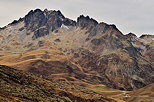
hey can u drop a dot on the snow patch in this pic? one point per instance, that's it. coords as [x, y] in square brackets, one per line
[64, 26]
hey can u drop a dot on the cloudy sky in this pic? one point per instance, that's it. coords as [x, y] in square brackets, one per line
[136, 16]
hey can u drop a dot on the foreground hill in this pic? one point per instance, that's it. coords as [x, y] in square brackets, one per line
[49, 44]
[19, 86]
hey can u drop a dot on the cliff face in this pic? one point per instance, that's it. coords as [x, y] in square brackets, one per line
[94, 52]
[43, 22]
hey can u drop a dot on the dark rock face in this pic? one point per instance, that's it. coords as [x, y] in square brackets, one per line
[16, 21]
[40, 32]
[99, 29]
[131, 36]
[94, 28]
[86, 22]
[42, 22]
[35, 19]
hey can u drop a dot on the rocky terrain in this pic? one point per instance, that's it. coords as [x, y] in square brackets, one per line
[86, 51]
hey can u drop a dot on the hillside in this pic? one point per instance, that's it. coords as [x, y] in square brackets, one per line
[19, 86]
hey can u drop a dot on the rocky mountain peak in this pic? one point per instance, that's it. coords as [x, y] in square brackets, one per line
[131, 35]
[35, 19]
[146, 36]
[16, 21]
[42, 22]
[86, 22]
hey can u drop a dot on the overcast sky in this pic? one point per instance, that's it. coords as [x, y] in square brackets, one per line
[136, 16]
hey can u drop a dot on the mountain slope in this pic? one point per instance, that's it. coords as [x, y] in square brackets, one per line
[97, 53]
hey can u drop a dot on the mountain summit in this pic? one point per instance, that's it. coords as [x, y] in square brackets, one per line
[49, 44]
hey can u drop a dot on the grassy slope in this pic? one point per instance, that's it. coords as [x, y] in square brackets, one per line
[76, 87]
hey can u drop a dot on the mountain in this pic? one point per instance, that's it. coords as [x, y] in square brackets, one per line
[56, 47]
